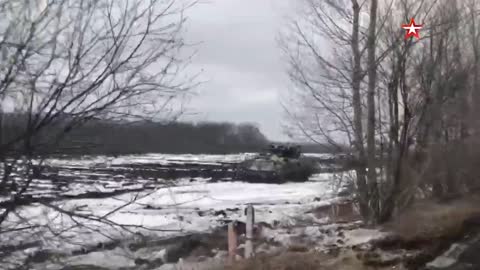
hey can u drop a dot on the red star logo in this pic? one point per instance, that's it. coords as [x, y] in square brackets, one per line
[412, 29]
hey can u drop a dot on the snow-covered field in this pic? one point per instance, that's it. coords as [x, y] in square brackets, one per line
[166, 209]
[186, 207]
[161, 159]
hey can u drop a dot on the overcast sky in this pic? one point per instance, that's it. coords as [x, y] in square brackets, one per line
[241, 62]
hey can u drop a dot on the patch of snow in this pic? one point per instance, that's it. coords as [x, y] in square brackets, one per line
[321, 237]
[324, 177]
[208, 264]
[362, 236]
[319, 155]
[449, 257]
[230, 194]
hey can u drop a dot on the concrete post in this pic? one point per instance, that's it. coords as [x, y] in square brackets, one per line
[232, 242]
[249, 232]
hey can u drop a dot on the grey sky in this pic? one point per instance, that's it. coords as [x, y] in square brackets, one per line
[241, 62]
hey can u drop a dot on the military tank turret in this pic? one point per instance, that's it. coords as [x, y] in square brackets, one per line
[279, 164]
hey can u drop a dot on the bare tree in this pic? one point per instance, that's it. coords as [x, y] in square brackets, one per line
[333, 77]
[415, 92]
[371, 117]
[64, 63]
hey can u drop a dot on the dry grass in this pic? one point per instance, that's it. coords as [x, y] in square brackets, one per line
[429, 220]
[304, 261]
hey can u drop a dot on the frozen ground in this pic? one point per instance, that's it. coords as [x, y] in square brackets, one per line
[166, 209]
[70, 177]
[188, 206]
[90, 175]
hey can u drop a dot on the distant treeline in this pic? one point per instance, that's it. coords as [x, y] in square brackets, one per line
[176, 137]
[114, 138]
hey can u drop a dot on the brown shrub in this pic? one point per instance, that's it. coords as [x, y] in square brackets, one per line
[446, 170]
[303, 261]
[428, 220]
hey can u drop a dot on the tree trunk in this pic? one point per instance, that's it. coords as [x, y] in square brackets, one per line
[472, 96]
[357, 114]
[372, 80]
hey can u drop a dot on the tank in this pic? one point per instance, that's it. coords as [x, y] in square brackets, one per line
[278, 164]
